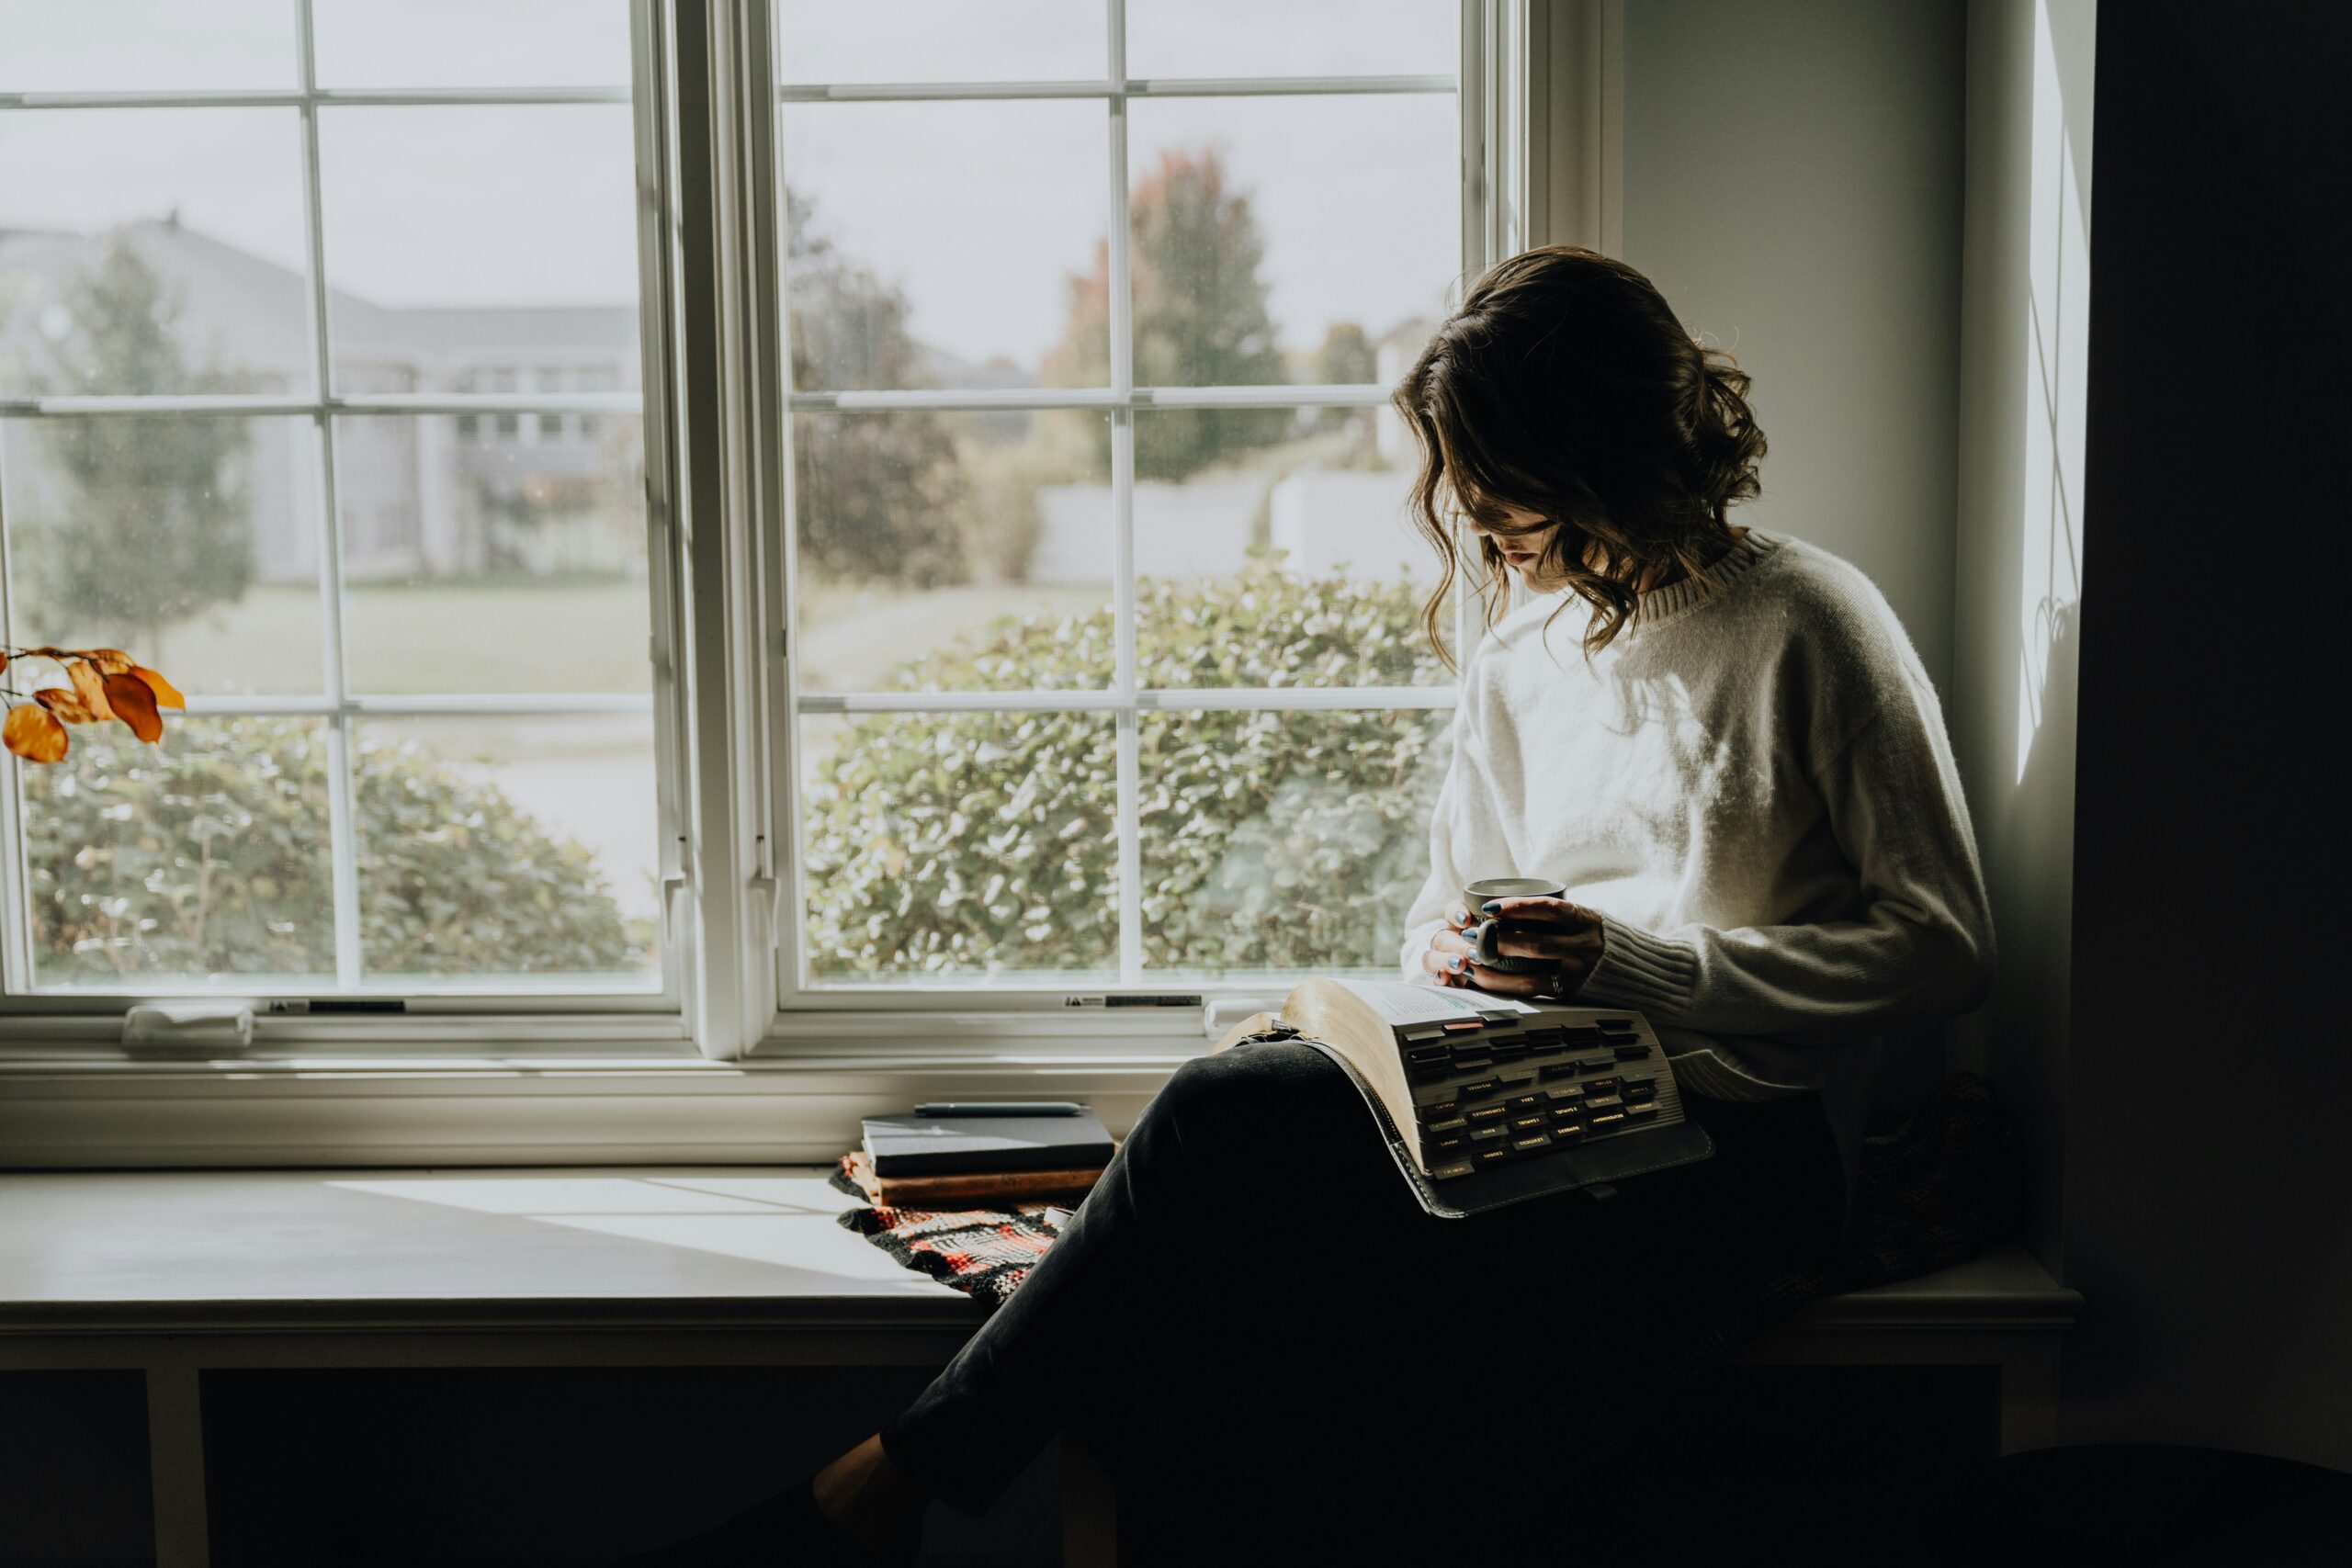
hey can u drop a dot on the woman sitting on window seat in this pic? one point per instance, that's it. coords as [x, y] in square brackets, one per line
[1720, 741]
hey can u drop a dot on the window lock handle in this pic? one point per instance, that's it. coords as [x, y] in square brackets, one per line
[203, 1025]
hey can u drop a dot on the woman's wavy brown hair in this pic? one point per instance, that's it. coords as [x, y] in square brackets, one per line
[1564, 385]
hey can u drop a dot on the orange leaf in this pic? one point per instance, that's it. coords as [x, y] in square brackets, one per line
[67, 705]
[167, 694]
[92, 687]
[33, 734]
[112, 661]
[134, 702]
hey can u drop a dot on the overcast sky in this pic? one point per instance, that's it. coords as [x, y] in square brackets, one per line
[978, 210]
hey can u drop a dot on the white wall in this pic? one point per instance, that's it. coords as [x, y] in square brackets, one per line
[1793, 185]
[2025, 322]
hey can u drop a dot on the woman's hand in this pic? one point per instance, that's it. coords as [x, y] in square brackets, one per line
[1567, 934]
[1448, 956]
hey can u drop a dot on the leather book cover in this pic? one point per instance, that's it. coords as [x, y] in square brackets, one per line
[912, 1145]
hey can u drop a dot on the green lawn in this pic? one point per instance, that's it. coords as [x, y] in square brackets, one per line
[406, 641]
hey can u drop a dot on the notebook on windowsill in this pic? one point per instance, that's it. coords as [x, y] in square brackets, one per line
[914, 1160]
[915, 1145]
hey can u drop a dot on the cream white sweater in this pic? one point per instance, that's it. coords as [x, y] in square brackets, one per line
[1754, 787]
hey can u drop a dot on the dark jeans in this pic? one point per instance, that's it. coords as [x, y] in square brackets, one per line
[1251, 1317]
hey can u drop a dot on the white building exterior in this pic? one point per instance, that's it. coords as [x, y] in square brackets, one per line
[422, 496]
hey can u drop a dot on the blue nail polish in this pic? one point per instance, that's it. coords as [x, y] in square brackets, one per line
[1491, 906]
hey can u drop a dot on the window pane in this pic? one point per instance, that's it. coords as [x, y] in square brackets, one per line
[954, 551]
[1289, 239]
[472, 43]
[508, 848]
[129, 46]
[940, 41]
[1330, 38]
[1277, 843]
[950, 244]
[192, 542]
[1273, 550]
[152, 251]
[478, 249]
[961, 847]
[481, 561]
[202, 858]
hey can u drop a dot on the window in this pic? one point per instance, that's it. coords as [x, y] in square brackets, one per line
[1106, 668]
[1049, 624]
[255, 257]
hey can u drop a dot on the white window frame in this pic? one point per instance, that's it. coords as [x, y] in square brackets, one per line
[741, 1076]
[559, 1009]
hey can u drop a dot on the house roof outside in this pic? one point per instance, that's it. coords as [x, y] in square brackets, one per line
[241, 309]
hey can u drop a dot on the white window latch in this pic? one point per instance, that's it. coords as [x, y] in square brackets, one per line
[196, 1024]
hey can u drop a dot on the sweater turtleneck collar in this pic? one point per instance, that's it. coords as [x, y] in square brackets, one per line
[1749, 551]
[1677, 599]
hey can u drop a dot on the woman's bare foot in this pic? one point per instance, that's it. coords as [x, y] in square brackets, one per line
[870, 1500]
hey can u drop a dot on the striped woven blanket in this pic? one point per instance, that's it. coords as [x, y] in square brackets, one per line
[983, 1252]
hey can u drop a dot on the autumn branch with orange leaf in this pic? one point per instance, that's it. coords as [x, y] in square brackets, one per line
[103, 683]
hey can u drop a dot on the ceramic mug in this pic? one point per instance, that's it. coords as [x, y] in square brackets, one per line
[1482, 937]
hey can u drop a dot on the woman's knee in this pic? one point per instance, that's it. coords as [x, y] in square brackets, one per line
[1270, 1115]
[1248, 1086]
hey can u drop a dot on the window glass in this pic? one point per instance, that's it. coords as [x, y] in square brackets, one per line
[417, 644]
[1330, 38]
[193, 539]
[1273, 549]
[954, 551]
[508, 850]
[961, 848]
[481, 562]
[940, 40]
[1277, 844]
[461, 241]
[152, 251]
[129, 45]
[878, 303]
[472, 43]
[1290, 238]
[201, 862]
[1162, 448]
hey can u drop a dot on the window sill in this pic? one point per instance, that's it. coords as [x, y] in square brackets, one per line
[108, 1111]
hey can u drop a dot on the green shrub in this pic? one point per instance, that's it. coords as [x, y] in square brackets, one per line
[958, 843]
[209, 853]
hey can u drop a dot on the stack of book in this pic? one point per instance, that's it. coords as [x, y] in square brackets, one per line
[976, 1154]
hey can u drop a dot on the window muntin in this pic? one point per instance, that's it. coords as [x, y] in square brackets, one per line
[1024, 805]
[468, 641]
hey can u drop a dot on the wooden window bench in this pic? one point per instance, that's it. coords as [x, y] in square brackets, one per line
[176, 1273]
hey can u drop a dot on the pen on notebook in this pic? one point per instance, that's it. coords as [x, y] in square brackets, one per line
[1000, 1108]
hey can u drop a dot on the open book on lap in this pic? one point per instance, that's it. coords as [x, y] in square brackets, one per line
[1486, 1100]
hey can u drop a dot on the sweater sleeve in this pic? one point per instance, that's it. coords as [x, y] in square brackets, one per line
[1922, 945]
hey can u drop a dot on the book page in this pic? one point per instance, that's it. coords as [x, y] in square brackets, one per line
[1402, 1002]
